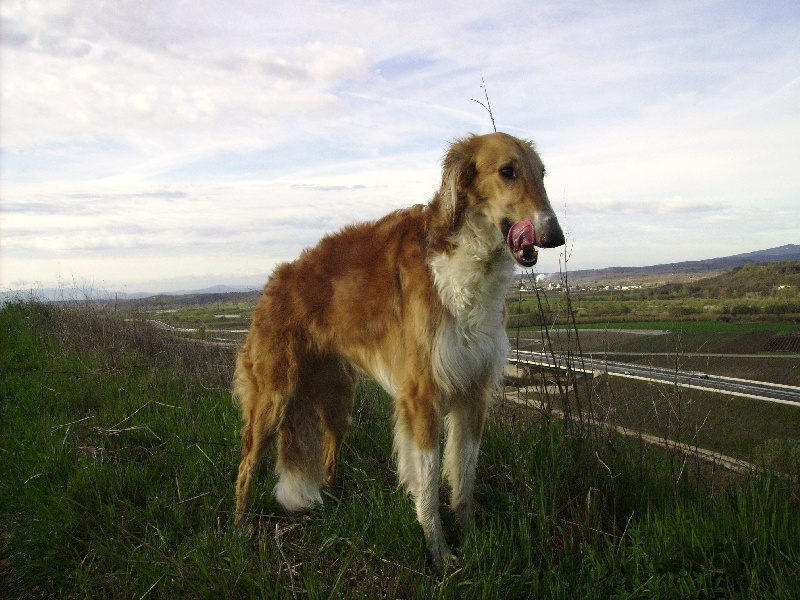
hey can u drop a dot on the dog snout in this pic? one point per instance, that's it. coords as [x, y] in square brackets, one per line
[548, 231]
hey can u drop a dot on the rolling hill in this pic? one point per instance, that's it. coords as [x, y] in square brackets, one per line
[681, 272]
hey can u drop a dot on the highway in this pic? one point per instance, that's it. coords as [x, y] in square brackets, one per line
[759, 390]
[592, 364]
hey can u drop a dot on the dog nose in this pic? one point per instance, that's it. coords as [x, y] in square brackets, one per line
[552, 239]
[548, 232]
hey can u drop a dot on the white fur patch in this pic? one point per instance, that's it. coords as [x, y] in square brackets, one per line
[297, 492]
[418, 471]
[407, 458]
[426, 500]
[472, 282]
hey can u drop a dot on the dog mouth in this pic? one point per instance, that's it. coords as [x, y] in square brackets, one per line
[521, 239]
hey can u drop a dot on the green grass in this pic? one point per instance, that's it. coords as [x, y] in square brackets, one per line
[118, 452]
[699, 326]
[684, 327]
[732, 425]
[663, 304]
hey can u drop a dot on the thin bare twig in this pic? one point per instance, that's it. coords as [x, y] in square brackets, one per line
[73, 422]
[488, 105]
[194, 497]
[143, 406]
[150, 589]
[285, 560]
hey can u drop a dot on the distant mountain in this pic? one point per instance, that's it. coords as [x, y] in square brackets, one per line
[198, 298]
[679, 272]
[214, 289]
[787, 252]
[749, 278]
[667, 273]
[682, 271]
[68, 295]
[78, 295]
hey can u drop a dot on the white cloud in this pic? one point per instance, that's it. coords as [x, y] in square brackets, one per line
[185, 135]
[680, 205]
[674, 205]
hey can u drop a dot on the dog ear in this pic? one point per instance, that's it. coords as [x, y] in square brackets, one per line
[458, 172]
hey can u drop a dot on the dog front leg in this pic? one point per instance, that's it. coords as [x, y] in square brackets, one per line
[426, 502]
[418, 471]
[463, 439]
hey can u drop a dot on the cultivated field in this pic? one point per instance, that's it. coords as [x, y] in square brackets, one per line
[119, 446]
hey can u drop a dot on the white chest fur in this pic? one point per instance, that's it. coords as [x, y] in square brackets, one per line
[472, 282]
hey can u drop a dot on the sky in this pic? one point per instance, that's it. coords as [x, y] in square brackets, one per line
[160, 146]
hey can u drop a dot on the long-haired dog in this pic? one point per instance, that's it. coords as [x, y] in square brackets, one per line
[415, 300]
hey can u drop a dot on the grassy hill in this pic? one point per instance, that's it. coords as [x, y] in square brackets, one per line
[772, 278]
[681, 272]
[119, 446]
[766, 292]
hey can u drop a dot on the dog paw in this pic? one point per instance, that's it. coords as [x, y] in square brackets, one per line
[442, 557]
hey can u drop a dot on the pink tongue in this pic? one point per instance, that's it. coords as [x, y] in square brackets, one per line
[521, 239]
[521, 235]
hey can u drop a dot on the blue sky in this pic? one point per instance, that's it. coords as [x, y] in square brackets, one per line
[154, 146]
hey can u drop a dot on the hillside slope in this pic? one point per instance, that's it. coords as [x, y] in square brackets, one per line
[681, 272]
[756, 278]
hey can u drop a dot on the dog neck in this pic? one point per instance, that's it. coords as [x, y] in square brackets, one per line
[472, 276]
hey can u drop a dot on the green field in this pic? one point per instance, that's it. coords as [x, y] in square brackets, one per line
[753, 293]
[700, 326]
[734, 426]
[119, 445]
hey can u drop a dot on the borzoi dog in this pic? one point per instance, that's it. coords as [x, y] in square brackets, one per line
[416, 301]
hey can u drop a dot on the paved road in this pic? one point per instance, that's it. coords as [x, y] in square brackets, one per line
[738, 387]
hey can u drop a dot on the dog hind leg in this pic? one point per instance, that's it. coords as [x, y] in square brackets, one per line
[262, 412]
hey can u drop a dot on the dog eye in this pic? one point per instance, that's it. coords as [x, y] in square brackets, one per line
[508, 172]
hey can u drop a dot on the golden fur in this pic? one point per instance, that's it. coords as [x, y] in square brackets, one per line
[415, 300]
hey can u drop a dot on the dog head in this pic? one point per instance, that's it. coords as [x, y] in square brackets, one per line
[498, 179]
